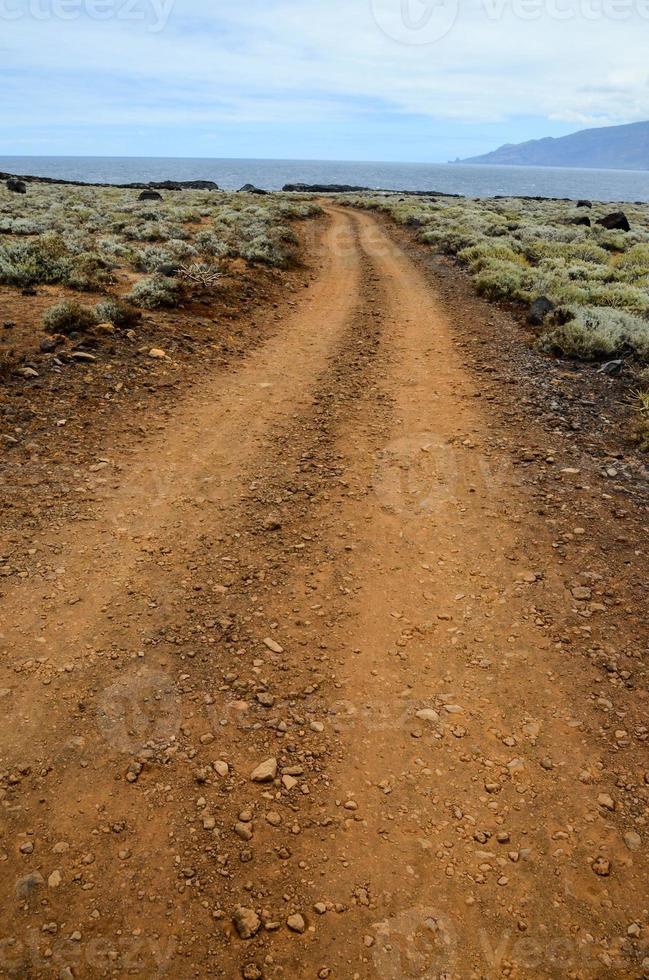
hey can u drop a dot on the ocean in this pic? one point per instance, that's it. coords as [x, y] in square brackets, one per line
[470, 180]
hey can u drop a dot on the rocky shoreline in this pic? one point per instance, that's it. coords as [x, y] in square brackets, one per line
[297, 188]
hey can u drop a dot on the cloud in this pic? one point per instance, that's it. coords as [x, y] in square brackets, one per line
[278, 60]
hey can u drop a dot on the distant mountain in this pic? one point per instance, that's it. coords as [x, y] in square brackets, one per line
[606, 148]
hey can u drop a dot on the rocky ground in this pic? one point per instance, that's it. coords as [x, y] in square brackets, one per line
[323, 649]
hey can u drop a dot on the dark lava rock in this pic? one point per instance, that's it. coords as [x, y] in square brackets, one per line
[539, 311]
[324, 188]
[16, 186]
[168, 269]
[251, 189]
[183, 185]
[617, 221]
[611, 368]
[150, 196]
[581, 221]
[584, 204]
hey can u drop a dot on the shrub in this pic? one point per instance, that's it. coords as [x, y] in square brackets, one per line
[598, 332]
[483, 254]
[30, 263]
[155, 292]
[117, 312]
[89, 271]
[503, 280]
[68, 316]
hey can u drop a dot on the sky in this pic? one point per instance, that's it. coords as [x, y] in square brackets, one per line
[393, 80]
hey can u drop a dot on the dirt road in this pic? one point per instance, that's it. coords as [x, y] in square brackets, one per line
[331, 562]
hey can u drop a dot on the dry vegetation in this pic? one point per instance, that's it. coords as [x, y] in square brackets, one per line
[139, 254]
[520, 250]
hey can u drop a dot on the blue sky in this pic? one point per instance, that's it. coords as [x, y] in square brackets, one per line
[407, 80]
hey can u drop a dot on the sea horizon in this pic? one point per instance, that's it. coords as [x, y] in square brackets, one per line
[270, 173]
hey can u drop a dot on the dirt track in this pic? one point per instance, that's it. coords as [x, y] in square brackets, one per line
[331, 558]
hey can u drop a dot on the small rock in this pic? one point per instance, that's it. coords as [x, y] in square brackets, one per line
[54, 879]
[220, 767]
[157, 354]
[581, 593]
[601, 867]
[606, 801]
[246, 922]
[275, 647]
[632, 840]
[296, 923]
[133, 772]
[427, 714]
[251, 972]
[265, 772]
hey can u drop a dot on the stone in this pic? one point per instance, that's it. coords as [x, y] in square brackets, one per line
[581, 593]
[157, 354]
[220, 767]
[601, 866]
[632, 840]
[538, 312]
[273, 646]
[611, 368]
[296, 923]
[427, 714]
[265, 772]
[251, 972]
[243, 830]
[617, 221]
[251, 189]
[606, 801]
[54, 879]
[150, 196]
[246, 922]
[16, 186]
